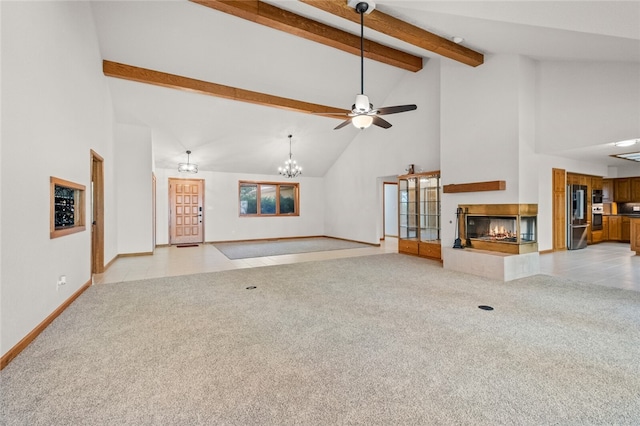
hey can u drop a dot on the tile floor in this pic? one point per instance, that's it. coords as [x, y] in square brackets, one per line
[608, 264]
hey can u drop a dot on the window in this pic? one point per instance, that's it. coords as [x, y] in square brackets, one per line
[268, 199]
[67, 207]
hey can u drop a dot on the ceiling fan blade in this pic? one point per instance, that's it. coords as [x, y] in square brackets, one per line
[381, 122]
[396, 109]
[334, 114]
[341, 125]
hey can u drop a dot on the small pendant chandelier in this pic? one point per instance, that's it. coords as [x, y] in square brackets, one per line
[188, 167]
[291, 168]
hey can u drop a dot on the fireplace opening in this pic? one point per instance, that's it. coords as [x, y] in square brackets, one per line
[507, 228]
[499, 228]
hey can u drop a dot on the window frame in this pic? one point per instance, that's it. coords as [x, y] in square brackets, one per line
[258, 184]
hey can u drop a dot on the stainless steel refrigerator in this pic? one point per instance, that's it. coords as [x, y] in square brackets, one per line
[577, 217]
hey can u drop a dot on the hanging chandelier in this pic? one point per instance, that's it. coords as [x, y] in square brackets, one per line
[188, 167]
[291, 168]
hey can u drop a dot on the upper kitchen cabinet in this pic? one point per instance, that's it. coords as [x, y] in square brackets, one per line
[607, 190]
[596, 183]
[635, 189]
[622, 190]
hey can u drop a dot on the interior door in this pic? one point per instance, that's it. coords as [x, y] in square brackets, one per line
[97, 213]
[559, 210]
[186, 201]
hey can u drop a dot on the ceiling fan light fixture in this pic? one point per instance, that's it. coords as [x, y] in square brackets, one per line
[362, 121]
[188, 167]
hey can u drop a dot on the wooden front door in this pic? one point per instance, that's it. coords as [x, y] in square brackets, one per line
[186, 201]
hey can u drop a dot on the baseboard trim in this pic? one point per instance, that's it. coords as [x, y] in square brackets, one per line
[108, 265]
[26, 340]
[143, 253]
[546, 251]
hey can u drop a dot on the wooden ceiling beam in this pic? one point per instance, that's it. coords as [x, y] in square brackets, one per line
[283, 20]
[401, 30]
[172, 81]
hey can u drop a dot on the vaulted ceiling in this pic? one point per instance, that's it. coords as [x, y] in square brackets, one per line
[217, 69]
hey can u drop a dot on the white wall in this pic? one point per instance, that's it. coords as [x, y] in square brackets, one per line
[480, 133]
[222, 221]
[134, 189]
[1, 137]
[527, 159]
[55, 108]
[631, 170]
[353, 192]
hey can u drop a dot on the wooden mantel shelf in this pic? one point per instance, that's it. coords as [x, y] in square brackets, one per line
[494, 185]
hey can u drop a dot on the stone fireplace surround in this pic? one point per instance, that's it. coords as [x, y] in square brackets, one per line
[511, 254]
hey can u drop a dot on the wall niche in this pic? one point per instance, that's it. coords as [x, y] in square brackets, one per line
[67, 207]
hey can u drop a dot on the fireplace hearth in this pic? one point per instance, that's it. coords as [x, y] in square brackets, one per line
[505, 228]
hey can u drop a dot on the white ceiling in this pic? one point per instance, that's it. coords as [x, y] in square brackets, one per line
[188, 39]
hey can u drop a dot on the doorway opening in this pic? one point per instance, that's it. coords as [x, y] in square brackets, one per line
[390, 209]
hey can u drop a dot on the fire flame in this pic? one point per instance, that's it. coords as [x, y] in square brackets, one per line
[500, 233]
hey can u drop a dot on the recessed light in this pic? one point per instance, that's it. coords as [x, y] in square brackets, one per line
[457, 40]
[628, 142]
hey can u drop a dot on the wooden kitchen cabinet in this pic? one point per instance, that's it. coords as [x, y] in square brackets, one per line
[625, 229]
[615, 228]
[607, 190]
[635, 190]
[635, 235]
[605, 228]
[622, 190]
[596, 183]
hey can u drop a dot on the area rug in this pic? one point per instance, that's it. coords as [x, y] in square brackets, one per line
[247, 249]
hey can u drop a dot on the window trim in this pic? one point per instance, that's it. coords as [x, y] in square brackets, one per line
[296, 195]
[79, 212]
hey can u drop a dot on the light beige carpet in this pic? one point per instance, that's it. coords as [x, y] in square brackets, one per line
[386, 339]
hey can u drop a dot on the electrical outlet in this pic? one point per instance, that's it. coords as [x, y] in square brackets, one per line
[62, 280]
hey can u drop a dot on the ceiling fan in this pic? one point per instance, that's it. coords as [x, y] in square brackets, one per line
[362, 113]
